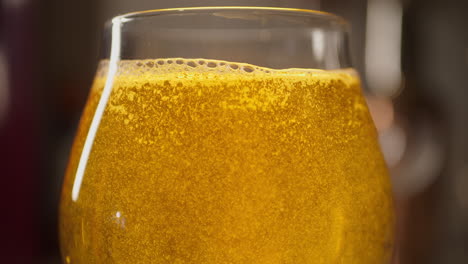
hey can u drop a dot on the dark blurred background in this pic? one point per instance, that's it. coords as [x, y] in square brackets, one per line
[412, 55]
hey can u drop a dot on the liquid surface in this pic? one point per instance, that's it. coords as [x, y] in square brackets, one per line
[198, 161]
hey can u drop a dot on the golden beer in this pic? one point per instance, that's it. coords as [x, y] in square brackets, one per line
[205, 161]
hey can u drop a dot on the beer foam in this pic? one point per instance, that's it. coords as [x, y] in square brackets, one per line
[255, 86]
[181, 65]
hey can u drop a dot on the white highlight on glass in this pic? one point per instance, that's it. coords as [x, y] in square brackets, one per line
[113, 66]
[318, 44]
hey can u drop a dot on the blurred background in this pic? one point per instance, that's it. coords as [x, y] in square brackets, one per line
[412, 56]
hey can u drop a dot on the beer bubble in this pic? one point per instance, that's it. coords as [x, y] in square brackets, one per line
[191, 64]
[211, 64]
[248, 69]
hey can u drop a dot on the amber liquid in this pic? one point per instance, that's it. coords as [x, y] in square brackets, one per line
[216, 162]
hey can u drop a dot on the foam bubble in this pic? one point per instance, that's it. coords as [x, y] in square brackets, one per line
[211, 64]
[191, 64]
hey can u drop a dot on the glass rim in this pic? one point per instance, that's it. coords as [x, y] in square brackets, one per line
[166, 11]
